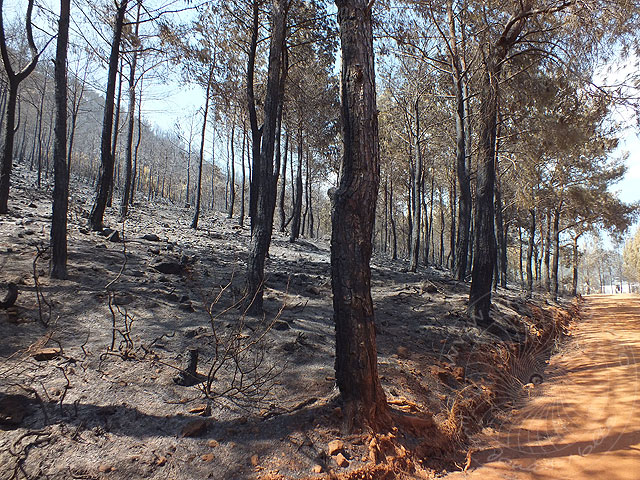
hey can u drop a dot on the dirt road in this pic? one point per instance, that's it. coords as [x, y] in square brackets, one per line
[583, 422]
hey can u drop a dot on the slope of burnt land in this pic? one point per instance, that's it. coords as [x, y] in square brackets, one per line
[89, 365]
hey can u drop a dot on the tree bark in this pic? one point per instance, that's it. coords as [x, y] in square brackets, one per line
[61, 174]
[556, 253]
[232, 179]
[485, 240]
[464, 208]
[196, 215]
[262, 220]
[353, 217]
[547, 254]
[414, 254]
[131, 122]
[254, 178]
[501, 233]
[532, 237]
[297, 204]
[283, 183]
[14, 80]
[244, 176]
[106, 155]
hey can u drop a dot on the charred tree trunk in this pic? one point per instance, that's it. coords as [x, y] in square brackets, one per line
[297, 204]
[232, 179]
[131, 121]
[283, 188]
[14, 80]
[262, 220]
[134, 178]
[196, 215]
[106, 156]
[353, 218]
[500, 231]
[416, 192]
[464, 207]
[547, 254]
[244, 177]
[485, 242]
[532, 238]
[485, 239]
[556, 254]
[61, 174]
[254, 178]
[394, 254]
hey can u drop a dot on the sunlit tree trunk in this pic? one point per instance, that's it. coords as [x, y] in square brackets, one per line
[106, 155]
[262, 221]
[354, 204]
[61, 174]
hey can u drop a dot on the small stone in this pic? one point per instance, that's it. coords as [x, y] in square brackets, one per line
[313, 290]
[105, 468]
[212, 443]
[342, 461]
[207, 457]
[335, 446]
[114, 237]
[152, 237]
[161, 461]
[194, 428]
[317, 469]
[168, 267]
[46, 354]
[254, 460]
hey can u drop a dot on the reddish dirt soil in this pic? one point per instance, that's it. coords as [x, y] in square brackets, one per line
[583, 421]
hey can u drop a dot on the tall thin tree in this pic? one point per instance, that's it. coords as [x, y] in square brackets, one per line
[14, 78]
[61, 173]
[105, 181]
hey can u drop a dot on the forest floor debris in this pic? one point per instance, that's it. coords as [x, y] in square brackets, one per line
[87, 364]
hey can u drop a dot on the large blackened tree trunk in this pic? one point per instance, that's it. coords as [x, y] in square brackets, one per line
[61, 173]
[14, 80]
[354, 204]
[106, 155]
[485, 241]
[484, 255]
[262, 220]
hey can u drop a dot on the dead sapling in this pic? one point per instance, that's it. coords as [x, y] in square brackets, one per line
[238, 371]
[121, 322]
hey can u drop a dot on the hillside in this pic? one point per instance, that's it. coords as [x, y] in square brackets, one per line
[88, 365]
